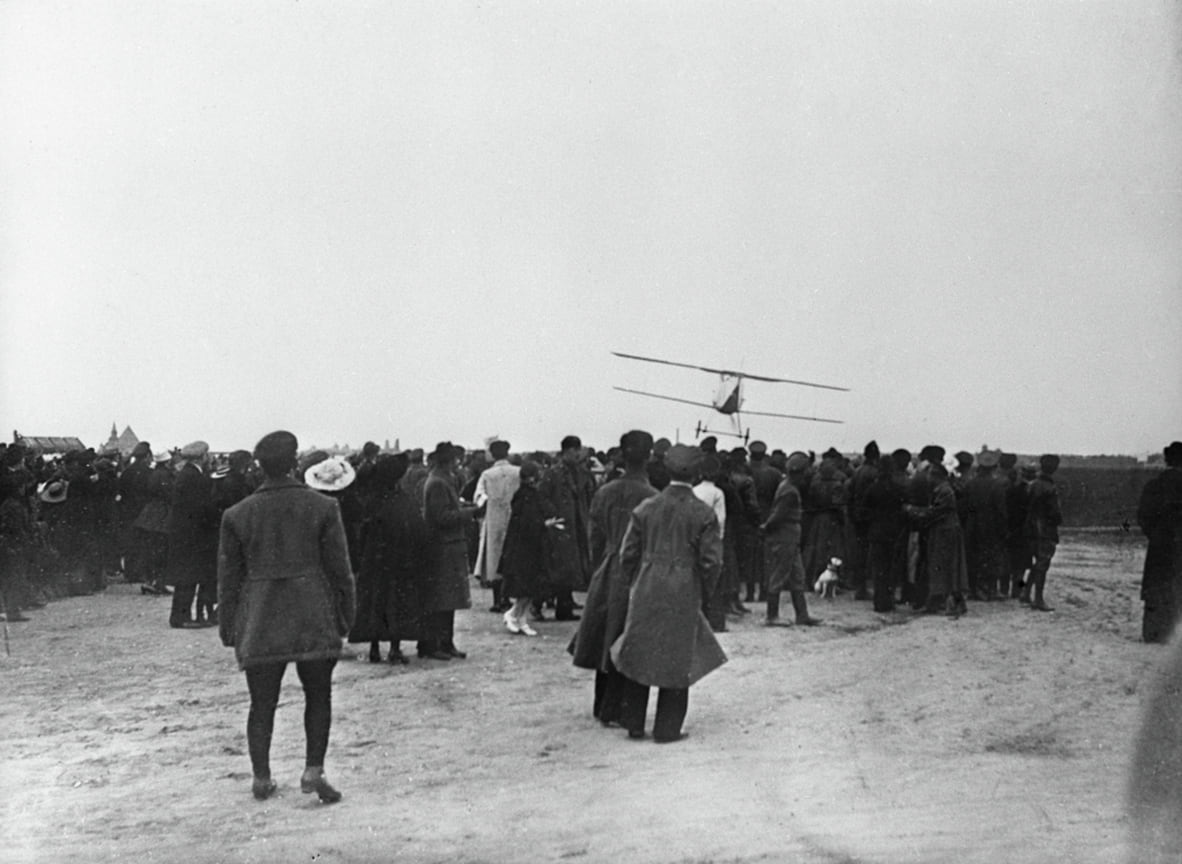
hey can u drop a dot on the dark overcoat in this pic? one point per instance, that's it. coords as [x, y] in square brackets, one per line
[569, 488]
[525, 554]
[284, 586]
[1159, 514]
[782, 555]
[670, 557]
[391, 581]
[447, 587]
[944, 561]
[825, 520]
[606, 606]
[192, 528]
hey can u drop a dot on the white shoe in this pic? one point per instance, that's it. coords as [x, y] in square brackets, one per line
[513, 625]
[524, 628]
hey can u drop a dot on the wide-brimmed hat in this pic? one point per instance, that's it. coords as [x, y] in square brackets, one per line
[162, 456]
[331, 475]
[54, 492]
[219, 473]
[988, 459]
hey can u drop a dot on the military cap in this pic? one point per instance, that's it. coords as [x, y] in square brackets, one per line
[1007, 461]
[798, 463]
[444, 451]
[932, 453]
[194, 450]
[1048, 462]
[758, 448]
[683, 460]
[1173, 453]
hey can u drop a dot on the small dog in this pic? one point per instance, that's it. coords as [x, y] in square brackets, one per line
[826, 584]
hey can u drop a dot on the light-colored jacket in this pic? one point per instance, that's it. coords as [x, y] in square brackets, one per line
[494, 489]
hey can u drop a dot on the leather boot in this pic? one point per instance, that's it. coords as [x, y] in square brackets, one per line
[1024, 597]
[773, 611]
[1039, 603]
[801, 605]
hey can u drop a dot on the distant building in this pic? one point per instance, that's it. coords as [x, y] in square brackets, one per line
[124, 443]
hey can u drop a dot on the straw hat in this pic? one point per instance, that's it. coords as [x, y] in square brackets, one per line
[53, 492]
[331, 475]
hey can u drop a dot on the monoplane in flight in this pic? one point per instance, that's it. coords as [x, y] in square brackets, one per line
[728, 399]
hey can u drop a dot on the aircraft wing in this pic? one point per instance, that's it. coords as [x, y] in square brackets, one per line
[731, 372]
[791, 416]
[667, 398]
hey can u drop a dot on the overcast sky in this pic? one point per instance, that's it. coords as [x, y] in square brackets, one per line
[428, 220]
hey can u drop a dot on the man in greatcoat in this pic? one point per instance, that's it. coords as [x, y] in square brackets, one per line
[984, 519]
[607, 596]
[192, 536]
[781, 531]
[766, 479]
[745, 521]
[1160, 516]
[134, 493]
[569, 487]
[1042, 529]
[671, 556]
[495, 489]
[447, 551]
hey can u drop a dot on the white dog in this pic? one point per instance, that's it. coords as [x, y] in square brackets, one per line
[826, 584]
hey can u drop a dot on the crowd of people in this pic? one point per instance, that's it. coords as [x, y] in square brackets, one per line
[668, 542]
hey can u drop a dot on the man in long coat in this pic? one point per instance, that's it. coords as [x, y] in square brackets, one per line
[494, 491]
[192, 535]
[1160, 516]
[985, 520]
[671, 557]
[447, 551]
[1042, 529]
[781, 531]
[569, 487]
[607, 597]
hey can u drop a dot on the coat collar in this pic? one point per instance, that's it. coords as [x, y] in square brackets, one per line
[270, 484]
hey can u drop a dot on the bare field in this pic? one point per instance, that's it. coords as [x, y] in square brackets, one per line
[1002, 736]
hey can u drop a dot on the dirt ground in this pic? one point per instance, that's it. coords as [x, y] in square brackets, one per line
[1002, 736]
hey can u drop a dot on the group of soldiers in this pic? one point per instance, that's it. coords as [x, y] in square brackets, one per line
[885, 517]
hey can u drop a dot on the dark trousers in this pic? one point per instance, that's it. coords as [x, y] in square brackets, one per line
[671, 708]
[207, 598]
[439, 631]
[609, 692]
[182, 605]
[263, 682]
[886, 567]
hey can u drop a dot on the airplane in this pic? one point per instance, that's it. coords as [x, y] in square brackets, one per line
[729, 400]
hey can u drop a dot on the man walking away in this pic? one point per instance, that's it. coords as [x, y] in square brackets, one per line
[287, 595]
[671, 557]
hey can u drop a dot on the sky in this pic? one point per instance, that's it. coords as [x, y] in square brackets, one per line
[436, 220]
